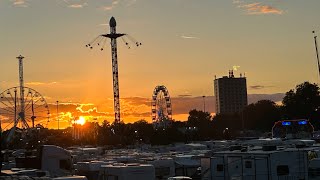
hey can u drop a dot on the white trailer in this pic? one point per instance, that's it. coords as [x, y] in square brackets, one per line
[164, 167]
[127, 172]
[264, 164]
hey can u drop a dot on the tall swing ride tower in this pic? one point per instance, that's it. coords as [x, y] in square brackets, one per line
[113, 36]
[22, 105]
[100, 41]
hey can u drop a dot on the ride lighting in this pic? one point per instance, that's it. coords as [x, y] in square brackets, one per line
[304, 122]
[285, 123]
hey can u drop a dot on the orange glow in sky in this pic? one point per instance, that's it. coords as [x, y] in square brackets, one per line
[185, 49]
[81, 120]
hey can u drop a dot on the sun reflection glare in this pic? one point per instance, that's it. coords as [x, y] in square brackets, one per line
[81, 120]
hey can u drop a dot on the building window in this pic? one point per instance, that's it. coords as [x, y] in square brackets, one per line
[314, 172]
[248, 164]
[282, 170]
[219, 167]
[65, 164]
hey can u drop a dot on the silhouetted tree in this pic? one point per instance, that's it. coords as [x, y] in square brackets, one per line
[222, 121]
[197, 118]
[302, 102]
[142, 131]
[202, 123]
[261, 115]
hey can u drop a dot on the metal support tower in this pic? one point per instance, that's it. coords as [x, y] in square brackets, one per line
[100, 41]
[204, 103]
[22, 103]
[113, 36]
[58, 115]
[316, 45]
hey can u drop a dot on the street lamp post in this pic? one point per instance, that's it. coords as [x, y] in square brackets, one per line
[204, 103]
[58, 115]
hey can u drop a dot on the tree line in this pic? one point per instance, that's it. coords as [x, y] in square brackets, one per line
[300, 103]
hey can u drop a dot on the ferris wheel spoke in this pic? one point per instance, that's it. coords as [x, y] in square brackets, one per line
[6, 105]
[13, 100]
[35, 102]
[25, 98]
[28, 104]
[30, 107]
[8, 110]
[25, 124]
[27, 119]
[34, 108]
[8, 125]
[8, 100]
[7, 113]
[18, 102]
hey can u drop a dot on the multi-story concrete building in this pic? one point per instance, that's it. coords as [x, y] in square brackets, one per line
[230, 94]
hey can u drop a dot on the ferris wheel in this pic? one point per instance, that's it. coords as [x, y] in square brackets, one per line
[161, 109]
[23, 108]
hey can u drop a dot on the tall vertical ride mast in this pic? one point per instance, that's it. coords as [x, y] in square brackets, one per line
[101, 42]
[316, 45]
[113, 36]
[22, 103]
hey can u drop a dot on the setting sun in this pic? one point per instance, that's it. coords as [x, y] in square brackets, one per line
[81, 120]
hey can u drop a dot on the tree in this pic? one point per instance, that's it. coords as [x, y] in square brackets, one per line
[202, 122]
[261, 115]
[143, 131]
[303, 101]
[198, 118]
[222, 121]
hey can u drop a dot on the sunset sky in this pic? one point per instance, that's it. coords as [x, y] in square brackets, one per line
[185, 43]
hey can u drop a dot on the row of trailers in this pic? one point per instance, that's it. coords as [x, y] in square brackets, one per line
[295, 160]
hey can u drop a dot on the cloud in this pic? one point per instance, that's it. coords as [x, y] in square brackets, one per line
[185, 95]
[78, 5]
[257, 8]
[111, 6]
[188, 37]
[132, 108]
[39, 83]
[237, 1]
[107, 8]
[253, 98]
[70, 111]
[75, 4]
[131, 2]
[116, 3]
[87, 108]
[258, 87]
[136, 108]
[20, 3]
